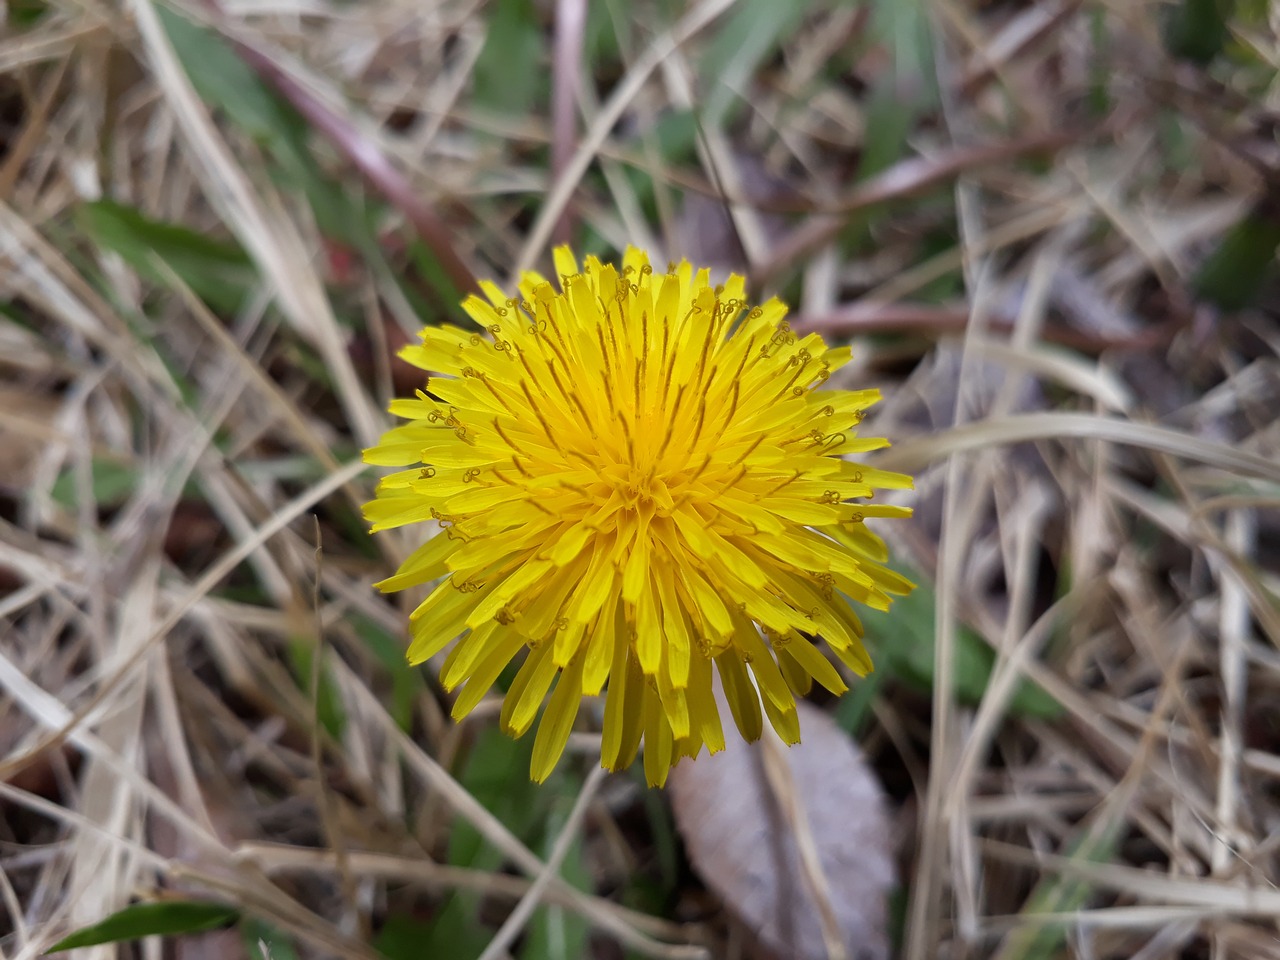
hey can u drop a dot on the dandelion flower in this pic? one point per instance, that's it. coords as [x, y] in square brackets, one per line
[638, 482]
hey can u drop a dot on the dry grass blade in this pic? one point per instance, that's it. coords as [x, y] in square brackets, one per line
[566, 80]
[495, 832]
[68, 723]
[279, 859]
[512, 926]
[696, 19]
[903, 180]
[271, 238]
[1195, 892]
[862, 319]
[915, 454]
[366, 157]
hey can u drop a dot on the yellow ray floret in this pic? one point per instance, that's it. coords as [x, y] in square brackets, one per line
[637, 481]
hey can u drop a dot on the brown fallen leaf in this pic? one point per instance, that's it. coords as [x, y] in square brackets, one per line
[795, 840]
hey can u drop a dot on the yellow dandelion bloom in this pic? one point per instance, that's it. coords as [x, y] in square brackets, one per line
[637, 481]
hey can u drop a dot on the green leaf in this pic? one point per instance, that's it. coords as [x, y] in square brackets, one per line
[407, 682]
[162, 918]
[328, 703]
[1236, 271]
[662, 837]
[1062, 895]
[674, 137]
[901, 642]
[905, 92]
[262, 941]
[26, 13]
[112, 484]
[1100, 61]
[677, 134]
[904, 27]
[853, 709]
[889, 124]
[607, 29]
[1196, 30]
[436, 279]
[454, 932]
[509, 72]
[220, 273]
[750, 33]
[1254, 12]
[497, 774]
[226, 82]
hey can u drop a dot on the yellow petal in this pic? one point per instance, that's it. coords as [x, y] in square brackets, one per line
[553, 731]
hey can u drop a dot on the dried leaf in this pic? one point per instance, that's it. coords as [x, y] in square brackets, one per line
[747, 848]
